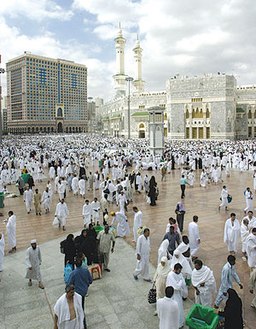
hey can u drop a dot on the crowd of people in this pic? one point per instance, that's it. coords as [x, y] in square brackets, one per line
[115, 170]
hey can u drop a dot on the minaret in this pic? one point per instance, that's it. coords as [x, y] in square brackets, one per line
[138, 82]
[120, 83]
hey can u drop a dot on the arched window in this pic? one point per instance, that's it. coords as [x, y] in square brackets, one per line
[249, 114]
[187, 114]
[141, 126]
[59, 112]
[207, 113]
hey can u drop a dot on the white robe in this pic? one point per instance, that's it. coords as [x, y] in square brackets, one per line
[203, 179]
[231, 234]
[180, 290]
[163, 250]
[95, 211]
[121, 201]
[28, 197]
[249, 201]
[46, 200]
[244, 235]
[61, 309]
[224, 198]
[122, 228]
[11, 231]
[143, 249]
[194, 238]
[137, 222]
[168, 313]
[87, 213]
[33, 259]
[52, 173]
[62, 213]
[81, 185]
[204, 276]
[139, 182]
[251, 250]
[252, 222]
[2, 244]
[74, 185]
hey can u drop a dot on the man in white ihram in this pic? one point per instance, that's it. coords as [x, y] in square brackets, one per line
[68, 310]
[28, 198]
[204, 283]
[232, 233]
[251, 248]
[62, 213]
[11, 231]
[122, 227]
[87, 213]
[168, 310]
[176, 280]
[143, 251]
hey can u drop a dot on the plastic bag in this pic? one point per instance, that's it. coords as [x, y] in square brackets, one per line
[55, 222]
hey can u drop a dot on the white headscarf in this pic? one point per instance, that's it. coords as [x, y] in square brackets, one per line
[163, 249]
[163, 270]
[179, 258]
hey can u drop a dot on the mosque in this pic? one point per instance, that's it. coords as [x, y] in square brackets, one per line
[210, 106]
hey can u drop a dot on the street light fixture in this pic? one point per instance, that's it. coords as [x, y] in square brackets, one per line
[129, 80]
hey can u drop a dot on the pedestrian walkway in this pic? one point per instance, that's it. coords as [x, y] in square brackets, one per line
[114, 302]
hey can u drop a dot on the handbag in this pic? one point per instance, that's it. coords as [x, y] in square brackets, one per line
[152, 294]
[55, 221]
[229, 198]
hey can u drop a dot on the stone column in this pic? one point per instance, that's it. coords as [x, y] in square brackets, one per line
[156, 130]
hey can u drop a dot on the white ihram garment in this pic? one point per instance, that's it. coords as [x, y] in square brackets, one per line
[194, 238]
[204, 276]
[11, 231]
[137, 222]
[231, 234]
[180, 290]
[62, 213]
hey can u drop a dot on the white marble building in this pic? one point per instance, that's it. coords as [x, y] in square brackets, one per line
[210, 106]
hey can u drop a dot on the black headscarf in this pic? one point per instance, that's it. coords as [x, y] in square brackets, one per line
[233, 311]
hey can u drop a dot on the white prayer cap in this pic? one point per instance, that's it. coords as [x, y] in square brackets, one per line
[33, 241]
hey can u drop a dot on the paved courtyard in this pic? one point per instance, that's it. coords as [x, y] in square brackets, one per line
[198, 201]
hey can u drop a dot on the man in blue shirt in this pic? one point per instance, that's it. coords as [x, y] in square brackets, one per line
[81, 278]
[174, 239]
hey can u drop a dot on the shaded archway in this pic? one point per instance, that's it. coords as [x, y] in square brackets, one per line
[141, 130]
[60, 127]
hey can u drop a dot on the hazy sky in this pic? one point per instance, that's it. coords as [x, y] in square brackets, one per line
[189, 37]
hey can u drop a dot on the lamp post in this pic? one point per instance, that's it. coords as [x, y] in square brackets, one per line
[1, 122]
[129, 80]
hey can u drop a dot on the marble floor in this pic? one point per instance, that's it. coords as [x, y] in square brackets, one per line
[198, 201]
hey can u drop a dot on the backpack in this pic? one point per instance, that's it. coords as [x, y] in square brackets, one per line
[67, 271]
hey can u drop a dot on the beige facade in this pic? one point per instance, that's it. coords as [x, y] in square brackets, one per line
[36, 86]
